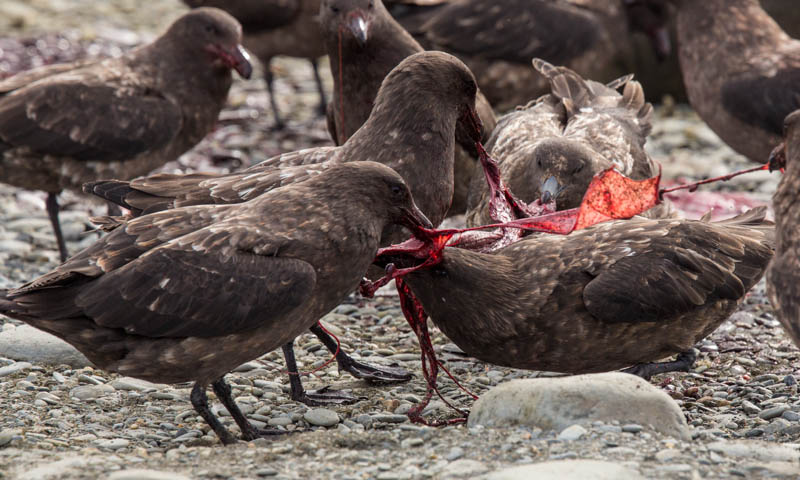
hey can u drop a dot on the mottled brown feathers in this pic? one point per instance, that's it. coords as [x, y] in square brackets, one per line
[783, 279]
[599, 299]
[575, 132]
[415, 135]
[168, 287]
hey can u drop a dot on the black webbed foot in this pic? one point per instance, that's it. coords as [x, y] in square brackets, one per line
[682, 363]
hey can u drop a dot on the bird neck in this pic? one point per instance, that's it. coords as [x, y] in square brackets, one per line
[359, 70]
[481, 286]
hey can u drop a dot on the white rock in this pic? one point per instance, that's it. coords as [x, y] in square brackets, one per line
[14, 368]
[573, 432]
[142, 474]
[464, 468]
[130, 383]
[557, 403]
[33, 345]
[321, 417]
[567, 470]
[113, 443]
[90, 392]
[754, 450]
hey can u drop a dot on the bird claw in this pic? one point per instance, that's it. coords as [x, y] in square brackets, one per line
[325, 396]
[373, 373]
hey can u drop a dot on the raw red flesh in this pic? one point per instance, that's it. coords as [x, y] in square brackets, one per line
[609, 196]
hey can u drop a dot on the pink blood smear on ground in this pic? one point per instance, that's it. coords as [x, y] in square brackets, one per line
[609, 196]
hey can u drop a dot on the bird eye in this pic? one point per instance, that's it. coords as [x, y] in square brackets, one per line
[371, 4]
[334, 9]
[212, 29]
[397, 190]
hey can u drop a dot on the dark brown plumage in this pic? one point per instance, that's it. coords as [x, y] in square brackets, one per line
[783, 279]
[415, 135]
[189, 294]
[610, 296]
[61, 127]
[372, 44]
[578, 130]
[741, 71]
[277, 27]
[498, 41]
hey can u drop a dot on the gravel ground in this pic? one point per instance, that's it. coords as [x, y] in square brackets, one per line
[66, 422]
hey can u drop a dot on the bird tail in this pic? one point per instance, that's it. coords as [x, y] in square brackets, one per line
[753, 219]
[114, 191]
[577, 93]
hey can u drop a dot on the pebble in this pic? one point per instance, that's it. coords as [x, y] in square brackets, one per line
[112, 444]
[388, 418]
[322, 417]
[464, 468]
[14, 368]
[142, 474]
[773, 412]
[750, 408]
[573, 432]
[90, 392]
[454, 454]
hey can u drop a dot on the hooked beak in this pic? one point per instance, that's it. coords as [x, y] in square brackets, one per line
[777, 158]
[550, 189]
[359, 26]
[661, 43]
[414, 219]
[236, 58]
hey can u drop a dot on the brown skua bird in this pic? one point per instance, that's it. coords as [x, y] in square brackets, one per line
[741, 71]
[188, 294]
[498, 40]
[372, 44]
[397, 134]
[118, 118]
[783, 278]
[617, 294]
[277, 27]
[554, 146]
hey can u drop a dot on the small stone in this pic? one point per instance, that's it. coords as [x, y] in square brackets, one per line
[6, 436]
[90, 392]
[773, 412]
[789, 380]
[745, 361]
[48, 398]
[754, 432]
[14, 368]
[266, 472]
[750, 408]
[775, 426]
[464, 468]
[791, 416]
[113, 443]
[412, 442]
[667, 455]
[573, 432]
[321, 417]
[388, 418]
[134, 384]
[632, 428]
[142, 474]
[454, 454]
[756, 450]
[280, 421]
